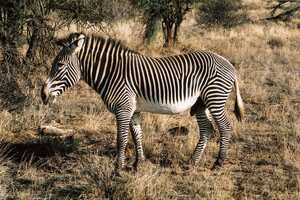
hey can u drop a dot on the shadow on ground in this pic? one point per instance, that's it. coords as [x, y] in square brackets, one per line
[37, 150]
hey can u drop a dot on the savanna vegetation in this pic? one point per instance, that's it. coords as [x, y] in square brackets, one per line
[262, 40]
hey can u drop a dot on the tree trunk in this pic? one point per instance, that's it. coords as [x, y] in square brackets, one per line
[150, 29]
[33, 41]
[175, 33]
[168, 31]
[11, 19]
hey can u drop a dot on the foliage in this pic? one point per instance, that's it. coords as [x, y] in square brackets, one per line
[11, 24]
[10, 11]
[39, 19]
[284, 10]
[221, 12]
[40, 29]
[83, 11]
[91, 12]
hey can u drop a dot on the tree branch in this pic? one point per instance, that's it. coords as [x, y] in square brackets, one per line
[287, 13]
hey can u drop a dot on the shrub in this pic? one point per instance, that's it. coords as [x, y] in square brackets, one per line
[275, 42]
[221, 12]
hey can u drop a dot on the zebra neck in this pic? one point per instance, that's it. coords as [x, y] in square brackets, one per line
[100, 58]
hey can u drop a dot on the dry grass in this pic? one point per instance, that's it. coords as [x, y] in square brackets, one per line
[265, 149]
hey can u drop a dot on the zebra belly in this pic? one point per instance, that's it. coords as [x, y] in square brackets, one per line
[145, 106]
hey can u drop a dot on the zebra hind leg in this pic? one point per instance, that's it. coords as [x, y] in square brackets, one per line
[205, 129]
[225, 130]
[136, 131]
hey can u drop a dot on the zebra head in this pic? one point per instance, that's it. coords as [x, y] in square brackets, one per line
[65, 71]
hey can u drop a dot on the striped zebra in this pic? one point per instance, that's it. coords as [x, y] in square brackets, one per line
[130, 83]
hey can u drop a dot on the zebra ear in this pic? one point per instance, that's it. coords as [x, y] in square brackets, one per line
[78, 43]
[61, 42]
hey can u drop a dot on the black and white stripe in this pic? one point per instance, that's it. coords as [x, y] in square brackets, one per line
[130, 83]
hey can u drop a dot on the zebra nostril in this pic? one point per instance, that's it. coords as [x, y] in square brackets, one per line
[44, 95]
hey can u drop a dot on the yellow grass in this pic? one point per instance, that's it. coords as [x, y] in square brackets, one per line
[264, 158]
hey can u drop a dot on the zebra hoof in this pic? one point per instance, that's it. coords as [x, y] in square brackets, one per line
[118, 169]
[138, 163]
[188, 165]
[218, 164]
[116, 174]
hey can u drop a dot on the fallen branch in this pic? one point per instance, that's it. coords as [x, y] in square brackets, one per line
[54, 131]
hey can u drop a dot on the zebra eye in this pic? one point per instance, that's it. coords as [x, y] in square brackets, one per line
[59, 65]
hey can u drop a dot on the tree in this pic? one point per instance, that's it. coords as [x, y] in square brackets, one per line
[36, 22]
[284, 10]
[169, 12]
[40, 27]
[37, 18]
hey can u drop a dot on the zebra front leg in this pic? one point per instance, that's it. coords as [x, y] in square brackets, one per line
[205, 129]
[137, 134]
[123, 120]
[225, 130]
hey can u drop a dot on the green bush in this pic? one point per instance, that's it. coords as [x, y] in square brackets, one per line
[221, 12]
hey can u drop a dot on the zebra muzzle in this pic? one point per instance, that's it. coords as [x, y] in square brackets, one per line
[45, 94]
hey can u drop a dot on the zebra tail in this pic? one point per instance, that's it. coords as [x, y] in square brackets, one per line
[239, 105]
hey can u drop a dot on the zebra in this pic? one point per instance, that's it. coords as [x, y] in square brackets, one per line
[130, 83]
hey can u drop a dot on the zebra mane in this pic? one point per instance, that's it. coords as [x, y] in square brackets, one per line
[113, 42]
